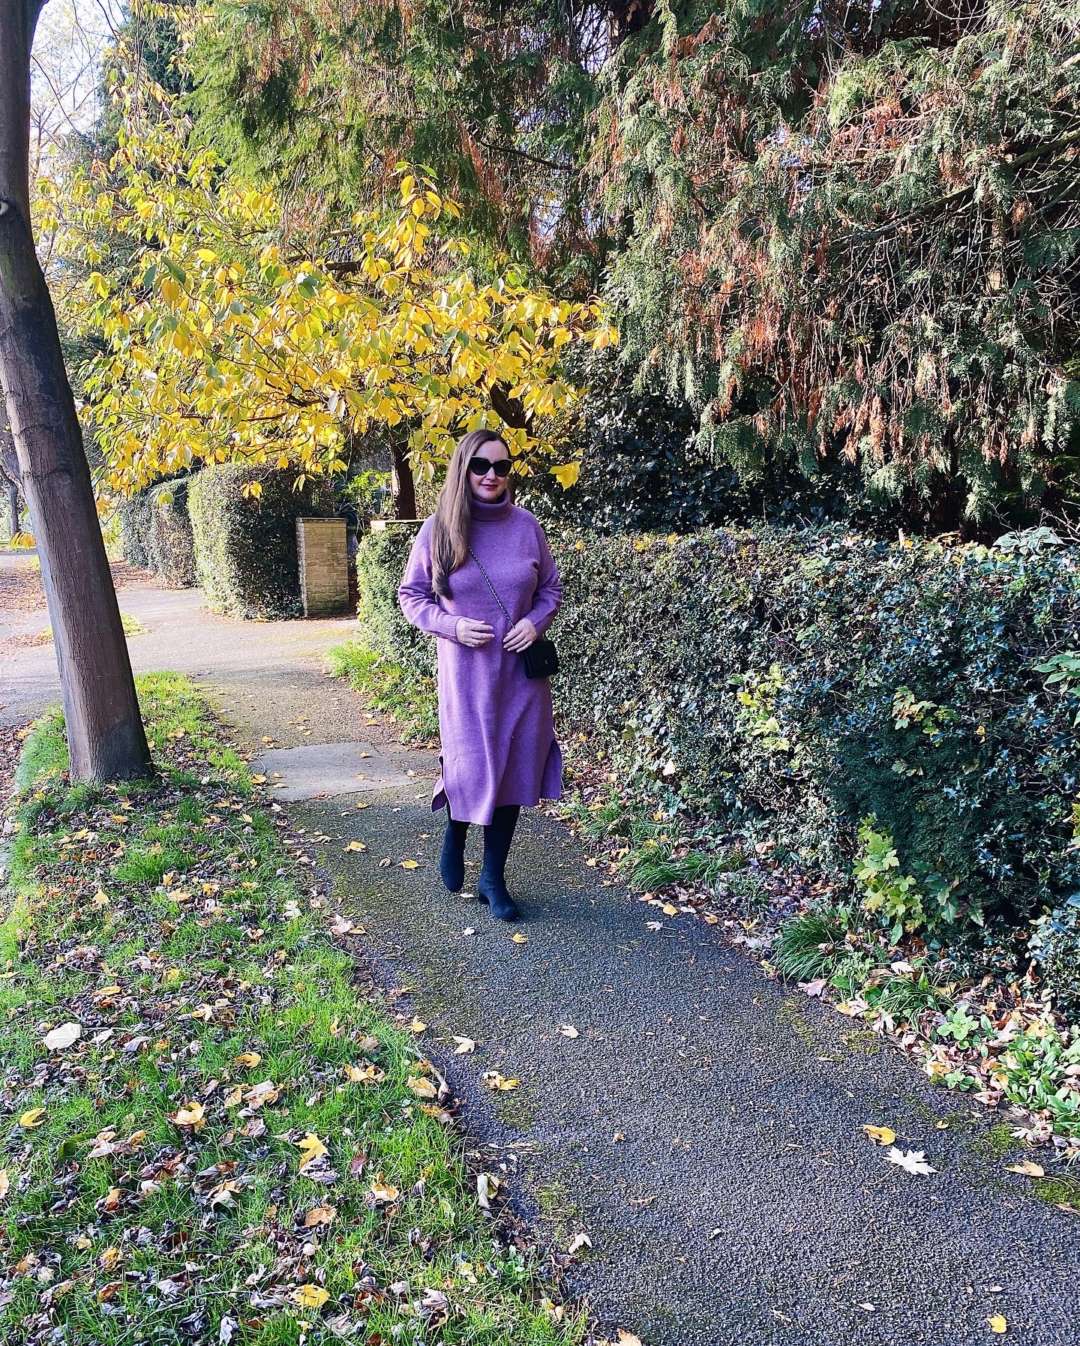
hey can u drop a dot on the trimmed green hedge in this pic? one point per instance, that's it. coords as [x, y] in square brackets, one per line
[135, 520]
[170, 542]
[245, 548]
[874, 710]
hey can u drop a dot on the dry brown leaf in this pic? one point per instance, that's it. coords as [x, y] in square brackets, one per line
[1027, 1169]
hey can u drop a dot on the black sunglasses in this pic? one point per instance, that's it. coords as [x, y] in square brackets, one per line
[480, 466]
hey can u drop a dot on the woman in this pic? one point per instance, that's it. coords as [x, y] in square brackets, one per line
[499, 750]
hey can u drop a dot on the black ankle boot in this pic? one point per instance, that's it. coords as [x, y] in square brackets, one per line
[452, 860]
[491, 886]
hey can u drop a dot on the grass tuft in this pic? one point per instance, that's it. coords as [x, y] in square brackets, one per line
[412, 701]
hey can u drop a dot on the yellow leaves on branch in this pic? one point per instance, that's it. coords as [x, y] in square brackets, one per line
[224, 345]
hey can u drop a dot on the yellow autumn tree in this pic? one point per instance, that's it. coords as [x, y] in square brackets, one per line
[223, 343]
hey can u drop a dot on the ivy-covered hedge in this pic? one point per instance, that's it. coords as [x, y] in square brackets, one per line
[245, 545]
[875, 710]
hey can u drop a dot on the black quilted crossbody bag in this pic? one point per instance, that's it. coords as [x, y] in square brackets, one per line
[540, 658]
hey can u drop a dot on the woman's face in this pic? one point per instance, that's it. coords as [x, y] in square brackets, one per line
[487, 485]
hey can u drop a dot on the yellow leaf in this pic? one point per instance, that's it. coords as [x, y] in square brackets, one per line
[881, 1135]
[318, 1215]
[417, 1026]
[249, 1060]
[494, 1080]
[998, 1324]
[382, 1190]
[312, 1148]
[365, 1074]
[5, 1183]
[410, 864]
[310, 1296]
[1028, 1169]
[566, 474]
[190, 1114]
[421, 1088]
[34, 1117]
[519, 938]
[356, 846]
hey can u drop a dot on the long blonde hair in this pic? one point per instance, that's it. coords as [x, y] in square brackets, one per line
[450, 531]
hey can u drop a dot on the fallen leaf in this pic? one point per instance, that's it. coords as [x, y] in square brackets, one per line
[312, 1148]
[249, 1060]
[382, 1191]
[341, 925]
[410, 864]
[911, 1161]
[487, 1184]
[579, 1241]
[882, 1135]
[30, 1119]
[63, 1036]
[365, 1074]
[464, 1046]
[417, 1026]
[812, 988]
[568, 1030]
[310, 1296]
[669, 910]
[1028, 1169]
[654, 925]
[318, 1215]
[190, 1114]
[356, 846]
[627, 1339]
[998, 1324]
[5, 1183]
[519, 938]
[494, 1080]
[421, 1088]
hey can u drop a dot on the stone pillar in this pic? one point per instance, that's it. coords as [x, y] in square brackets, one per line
[324, 570]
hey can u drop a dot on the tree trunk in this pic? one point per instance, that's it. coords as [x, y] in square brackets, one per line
[13, 504]
[106, 740]
[402, 486]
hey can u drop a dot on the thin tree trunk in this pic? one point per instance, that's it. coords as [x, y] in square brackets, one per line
[402, 486]
[106, 740]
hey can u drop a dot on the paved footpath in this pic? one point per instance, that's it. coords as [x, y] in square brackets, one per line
[704, 1127]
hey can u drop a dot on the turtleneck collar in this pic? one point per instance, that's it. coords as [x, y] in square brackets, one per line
[490, 511]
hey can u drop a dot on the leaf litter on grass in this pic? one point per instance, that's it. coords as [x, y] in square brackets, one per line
[236, 1145]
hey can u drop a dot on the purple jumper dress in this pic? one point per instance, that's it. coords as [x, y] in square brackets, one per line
[496, 725]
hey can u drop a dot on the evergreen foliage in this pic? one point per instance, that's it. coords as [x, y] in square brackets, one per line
[851, 233]
[245, 544]
[878, 711]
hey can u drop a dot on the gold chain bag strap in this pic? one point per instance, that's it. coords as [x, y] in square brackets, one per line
[540, 658]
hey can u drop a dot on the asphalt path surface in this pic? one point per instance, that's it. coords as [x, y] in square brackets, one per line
[704, 1127]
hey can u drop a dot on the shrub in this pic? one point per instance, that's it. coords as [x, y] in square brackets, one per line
[170, 544]
[245, 547]
[135, 519]
[796, 682]
[1056, 947]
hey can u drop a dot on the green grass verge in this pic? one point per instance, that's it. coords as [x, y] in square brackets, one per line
[412, 701]
[203, 1162]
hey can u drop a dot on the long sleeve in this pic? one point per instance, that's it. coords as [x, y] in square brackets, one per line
[416, 596]
[548, 590]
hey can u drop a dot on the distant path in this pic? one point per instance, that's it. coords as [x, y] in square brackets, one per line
[741, 1203]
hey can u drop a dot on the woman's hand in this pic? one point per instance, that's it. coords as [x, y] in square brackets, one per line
[473, 634]
[520, 637]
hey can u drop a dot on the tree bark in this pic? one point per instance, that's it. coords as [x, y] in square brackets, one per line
[106, 740]
[402, 486]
